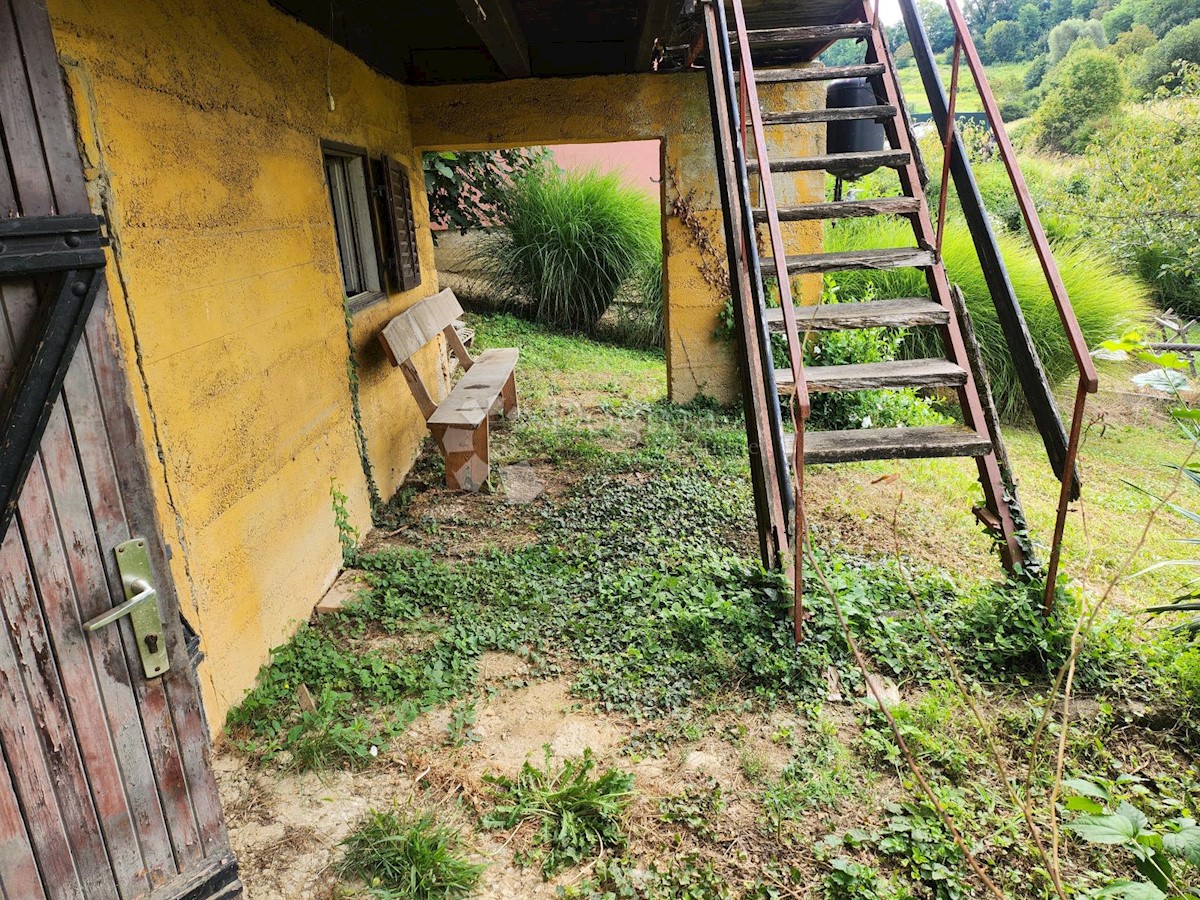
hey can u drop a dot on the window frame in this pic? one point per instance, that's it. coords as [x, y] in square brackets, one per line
[364, 220]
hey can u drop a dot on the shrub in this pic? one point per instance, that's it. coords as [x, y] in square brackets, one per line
[1140, 189]
[1104, 299]
[1159, 62]
[579, 814]
[1066, 34]
[567, 244]
[1136, 41]
[415, 857]
[1037, 71]
[1083, 88]
[1004, 40]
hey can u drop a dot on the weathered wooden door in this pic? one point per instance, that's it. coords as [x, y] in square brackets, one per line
[105, 785]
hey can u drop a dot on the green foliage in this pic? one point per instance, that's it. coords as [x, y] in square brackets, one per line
[1160, 63]
[1066, 34]
[685, 878]
[1159, 15]
[820, 776]
[1082, 90]
[1004, 40]
[695, 808]
[567, 244]
[915, 841]
[1134, 42]
[1166, 854]
[465, 187]
[578, 814]
[1139, 189]
[866, 409]
[1037, 70]
[409, 857]
[1103, 298]
[348, 535]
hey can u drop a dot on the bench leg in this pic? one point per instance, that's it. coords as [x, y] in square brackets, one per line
[465, 450]
[508, 398]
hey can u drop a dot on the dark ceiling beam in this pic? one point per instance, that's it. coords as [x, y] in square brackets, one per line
[656, 21]
[496, 24]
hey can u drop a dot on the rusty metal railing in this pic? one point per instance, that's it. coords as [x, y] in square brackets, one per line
[1088, 380]
[751, 121]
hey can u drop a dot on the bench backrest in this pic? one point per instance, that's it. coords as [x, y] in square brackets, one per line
[418, 325]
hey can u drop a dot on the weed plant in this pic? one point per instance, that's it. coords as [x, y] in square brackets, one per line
[403, 857]
[578, 813]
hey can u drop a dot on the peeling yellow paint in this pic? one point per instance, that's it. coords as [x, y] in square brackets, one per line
[201, 123]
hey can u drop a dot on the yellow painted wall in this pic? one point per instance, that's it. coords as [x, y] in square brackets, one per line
[675, 110]
[200, 122]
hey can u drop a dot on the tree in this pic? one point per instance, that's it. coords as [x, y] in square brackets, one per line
[1067, 33]
[983, 14]
[1134, 42]
[938, 25]
[1142, 193]
[1081, 90]
[1159, 62]
[464, 188]
[1004, 41]
[1032, 23]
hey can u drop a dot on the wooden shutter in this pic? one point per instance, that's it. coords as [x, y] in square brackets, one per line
[404, 263]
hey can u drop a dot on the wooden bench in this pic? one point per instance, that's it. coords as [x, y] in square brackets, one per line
[460, 422]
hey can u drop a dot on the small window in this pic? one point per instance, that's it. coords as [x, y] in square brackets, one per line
[349, 192]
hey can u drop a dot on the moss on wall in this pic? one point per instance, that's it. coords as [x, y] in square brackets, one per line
[200, 122]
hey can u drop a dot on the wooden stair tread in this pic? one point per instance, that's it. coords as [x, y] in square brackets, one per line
[829, 114]
[899, 373]
[847, 260]
[815, 73]
[898, 313]
[927, 441]
[836, 162]
[845, 209]
[803, 34]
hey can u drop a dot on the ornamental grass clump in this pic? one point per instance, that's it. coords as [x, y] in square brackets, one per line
[1105, 300]
[566, 245]
[409, 856]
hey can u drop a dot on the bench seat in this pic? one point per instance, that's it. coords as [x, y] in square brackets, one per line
[475, 395]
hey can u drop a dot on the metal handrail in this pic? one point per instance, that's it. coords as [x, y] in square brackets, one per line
[1088, 379]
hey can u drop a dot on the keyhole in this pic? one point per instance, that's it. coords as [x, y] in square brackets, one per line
[152, 643]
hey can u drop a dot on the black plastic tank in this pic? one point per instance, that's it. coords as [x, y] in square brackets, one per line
[853, 135]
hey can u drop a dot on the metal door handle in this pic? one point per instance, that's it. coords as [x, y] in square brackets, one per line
[141, 605]
[145, 594]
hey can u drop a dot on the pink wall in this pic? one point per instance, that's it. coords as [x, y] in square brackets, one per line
[638, 161]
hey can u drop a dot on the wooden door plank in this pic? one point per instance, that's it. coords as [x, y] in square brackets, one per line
[19, 735]
[61, 152]
[19, 876]
[117, 663]
[47, 693]
[180, 743]
[22, 140]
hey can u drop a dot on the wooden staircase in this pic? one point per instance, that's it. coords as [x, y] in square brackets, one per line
[732, 53]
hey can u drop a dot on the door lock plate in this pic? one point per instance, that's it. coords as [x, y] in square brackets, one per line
[141, 605]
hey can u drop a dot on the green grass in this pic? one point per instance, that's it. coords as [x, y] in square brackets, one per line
[409, 857]
[578, 814]
[1006, 80]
